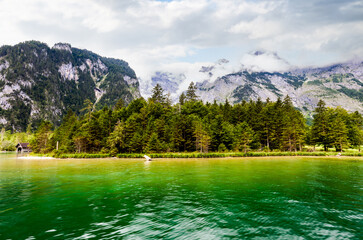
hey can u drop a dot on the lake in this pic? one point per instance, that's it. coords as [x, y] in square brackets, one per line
[239, 198]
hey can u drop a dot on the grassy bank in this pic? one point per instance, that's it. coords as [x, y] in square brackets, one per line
[208, 155]
[236, 154]
[83, 155]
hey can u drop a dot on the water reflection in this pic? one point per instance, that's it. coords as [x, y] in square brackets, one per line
[147, 165]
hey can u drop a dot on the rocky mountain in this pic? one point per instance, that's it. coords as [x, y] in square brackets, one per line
[174, 83]
[265, 75]
[337, 85]
[168, 81]
[38, 82]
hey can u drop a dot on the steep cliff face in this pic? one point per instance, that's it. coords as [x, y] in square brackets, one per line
[38, 82]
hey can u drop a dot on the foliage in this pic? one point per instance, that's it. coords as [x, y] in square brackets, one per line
[155, 126]
[335, 127]
[191, 92]
[41, 142]
[9, 140]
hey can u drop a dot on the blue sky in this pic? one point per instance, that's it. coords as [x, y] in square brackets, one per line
[176, 35]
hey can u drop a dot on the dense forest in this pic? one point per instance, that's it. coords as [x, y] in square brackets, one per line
[156, 125]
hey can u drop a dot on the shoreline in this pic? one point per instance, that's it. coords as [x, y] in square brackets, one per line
[332, 157]
[212, 155]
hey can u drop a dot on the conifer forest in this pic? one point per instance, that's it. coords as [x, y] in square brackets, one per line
[156, 125]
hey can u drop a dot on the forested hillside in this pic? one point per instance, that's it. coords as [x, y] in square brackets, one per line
[38, 82]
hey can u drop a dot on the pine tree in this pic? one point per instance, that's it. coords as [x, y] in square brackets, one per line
[158, 94]
[191, 93]
[227, 110]
[154, 143]
[40, 143]
[182, 98]
[119, 105]
[266, 131]
[337, 129]
[355, 129]
[135, 144]
[243, 136]
[277, 124]
[293, 126]
[202, 138]
[319, 130]
[116, 140]
[88, 107]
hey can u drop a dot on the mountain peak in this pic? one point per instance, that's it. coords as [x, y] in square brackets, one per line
[63, 46]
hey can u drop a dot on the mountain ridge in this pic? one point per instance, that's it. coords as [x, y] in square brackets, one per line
[339, 84]
[38, 82]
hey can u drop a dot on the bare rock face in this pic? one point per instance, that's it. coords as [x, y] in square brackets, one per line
[63, 46]
[68, 72]
[38, 82]
[338, 85]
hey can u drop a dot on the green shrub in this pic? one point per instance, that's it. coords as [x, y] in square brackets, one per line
[84, 155]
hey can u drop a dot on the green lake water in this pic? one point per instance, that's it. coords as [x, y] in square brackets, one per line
[239, 198]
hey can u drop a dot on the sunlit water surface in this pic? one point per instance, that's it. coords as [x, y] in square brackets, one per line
[266, 198]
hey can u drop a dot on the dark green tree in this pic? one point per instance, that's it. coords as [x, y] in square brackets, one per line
[182, 98]
[191, 93]
[116, 140]
[154, 143]
[243, 136]
[319, 129]
[41, 141]
[202, 138]
[337, 129]
[158, 94]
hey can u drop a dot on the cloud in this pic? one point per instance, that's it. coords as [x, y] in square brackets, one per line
[257, 28]
[264, 61]
[154, 34]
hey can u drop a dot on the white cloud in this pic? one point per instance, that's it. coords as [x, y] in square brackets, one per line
[152, 35]
[164, 14]
[257, 28]
[236, 8]
[264, 61]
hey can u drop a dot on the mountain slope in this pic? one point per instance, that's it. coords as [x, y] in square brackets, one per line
[38, 82]
[262, 74]
[337, 85]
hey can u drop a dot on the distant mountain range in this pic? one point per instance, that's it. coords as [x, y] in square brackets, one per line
[38, 82]
[338, 84]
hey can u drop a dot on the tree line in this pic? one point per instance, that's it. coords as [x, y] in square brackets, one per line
[156, 125]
